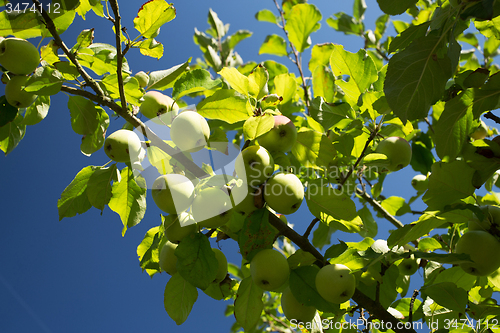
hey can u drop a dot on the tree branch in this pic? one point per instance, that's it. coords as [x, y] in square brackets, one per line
[297, 58]
[119, 54]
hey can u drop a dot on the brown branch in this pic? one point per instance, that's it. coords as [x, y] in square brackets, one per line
[372, 136]
[491, 116]
[148, 133]
[297, 58]
[412, 302]
[119, 54]
[49, 24]
[310, 227]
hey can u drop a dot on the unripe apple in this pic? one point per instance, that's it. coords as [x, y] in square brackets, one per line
[269, 269]
[254, 165]
[123, 146]
[222, 269]
[480, 132]
[143, 79]
[243, 199]
[211, 207]
[157, 105]
[284, 193]
[190, 131]
[420, 183]
[15, 93]
[397, 150]
[281, 137]
[182, 226]
[293, 309]
[335, 283]
[408, 266]
[483, 249]
[491, 219]
[168, 259]
[173, 193]
[19, 56]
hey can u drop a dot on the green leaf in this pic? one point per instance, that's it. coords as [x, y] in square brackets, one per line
[131, 87]
[256, 234]
[151, 48]
[179, 298]
[193, 81]
[416, 78]
[7, 112]
[415, 230]
[448, 295]
[302, 283]
[148, 251]
[332, 206]
[323, 83]
[152, 15]
[275, 45]
[331, 114]
[94, 141]
[256, 126]
[396, 205]
[236, 80]
[301, 22]
[84, 119]
[196, 262]
[370, 226]
[101, 58]
[248, 304]
[11, 134]
[448, 183]
[233, 40]
[164, 79]
[129, 198]
[313, 149]
[395, 7]
[358, 66]
[428, 244]
[226, 105]
[454, 125]
[320, 55]
[265, 15]
[404, 39]
[37, 111]
[388, 292]
[99, 186]
[346, 24]
[257, 82]
[74, 198]
[218, 30]
[285, 86]
[45, 81]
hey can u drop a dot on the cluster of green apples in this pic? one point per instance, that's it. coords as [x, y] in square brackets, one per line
[270, 271]
[481, 243]
[20, 58]
[391, 154]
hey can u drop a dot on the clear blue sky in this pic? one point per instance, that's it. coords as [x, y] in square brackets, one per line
[80, 274]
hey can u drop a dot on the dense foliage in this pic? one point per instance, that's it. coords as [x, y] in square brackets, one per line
[351, 114]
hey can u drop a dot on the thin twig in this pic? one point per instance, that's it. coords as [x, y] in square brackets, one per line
[491, 116]
[310, 227]
[412, 301]
[119, 54]
[297, 57]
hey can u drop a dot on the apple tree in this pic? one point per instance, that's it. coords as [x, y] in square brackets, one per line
[322, 135]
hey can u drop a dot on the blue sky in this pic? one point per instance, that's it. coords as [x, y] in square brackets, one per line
[80, 274]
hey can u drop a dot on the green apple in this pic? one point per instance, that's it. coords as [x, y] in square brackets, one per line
[483, 249]
[168, 260]
[190, 131]
[143, 79]
[408, 266]
[397, 150]
[420, 183]
[335, 283]
[222, 269]
[156, 105]
[123, 146]
[281, 137]
[294, 310]
[491, 219]
[254, 165]
[480, 132]
[211, 207]
[15, 93]
[269, 269]
[181, 225]
[243, 199]
[19, 56]
[284, 193]
[173, 193]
